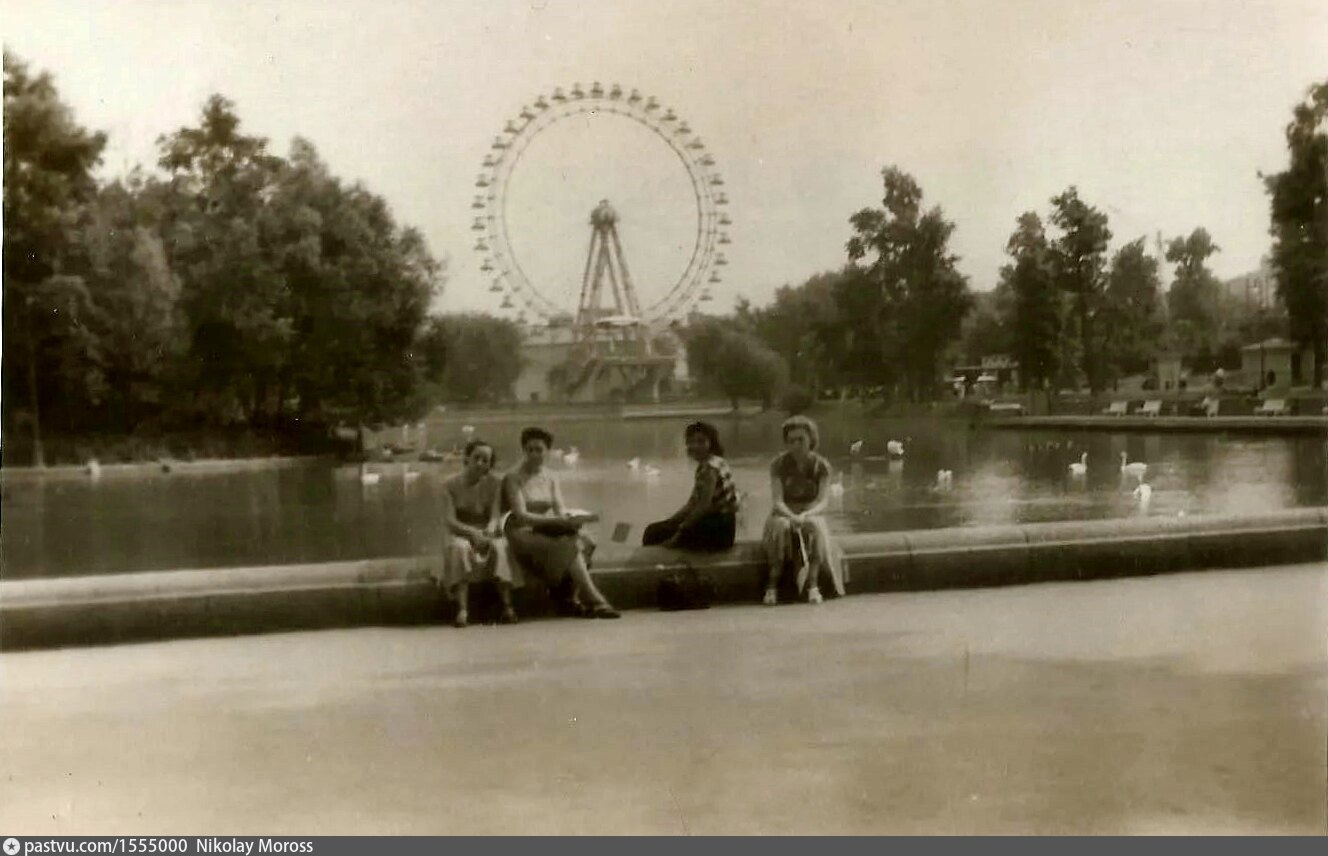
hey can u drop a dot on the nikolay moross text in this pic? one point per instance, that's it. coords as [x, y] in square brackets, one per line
[246, 848]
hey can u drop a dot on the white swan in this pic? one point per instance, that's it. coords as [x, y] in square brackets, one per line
[634, 464]
[571, 456]
[895, 448]
[837, 486]
[467, 430]
[855, 448]
[650, 470]
[944, 480]
[94, 468]
[1079, 469]
[1135, 470]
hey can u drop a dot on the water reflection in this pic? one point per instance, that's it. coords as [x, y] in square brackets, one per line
[322, 513]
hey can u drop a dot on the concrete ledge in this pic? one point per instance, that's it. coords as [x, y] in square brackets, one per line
[169, 604]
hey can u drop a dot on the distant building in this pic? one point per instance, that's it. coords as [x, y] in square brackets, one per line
[1255, 291]
[555, 369]
[1167, 370]
[1276, 364]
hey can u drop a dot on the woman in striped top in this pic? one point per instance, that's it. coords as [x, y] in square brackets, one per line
[708, 521]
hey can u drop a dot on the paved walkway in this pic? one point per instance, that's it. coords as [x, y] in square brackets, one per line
[1189, 703]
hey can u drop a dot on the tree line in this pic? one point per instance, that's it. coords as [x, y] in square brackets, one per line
[226, 287]
[1073, 312]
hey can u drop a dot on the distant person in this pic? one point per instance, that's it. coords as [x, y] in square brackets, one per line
[796, 531]
[708, 521]
[473, 551]
[544, 539]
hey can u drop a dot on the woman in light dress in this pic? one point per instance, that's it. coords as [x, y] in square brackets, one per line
[796, 532]
[544, 538]
[473, 551]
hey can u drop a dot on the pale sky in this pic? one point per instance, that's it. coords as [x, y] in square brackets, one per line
[1161, 111]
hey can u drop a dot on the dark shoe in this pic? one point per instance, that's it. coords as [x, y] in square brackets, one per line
[572, 608]
[508, 616]
[604, 611]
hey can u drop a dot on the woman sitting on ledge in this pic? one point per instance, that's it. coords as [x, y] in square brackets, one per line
[544, 538]
[473, 551]
[708, 522]
[796, 531]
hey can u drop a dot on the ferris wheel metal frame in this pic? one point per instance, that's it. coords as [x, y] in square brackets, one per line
[494, 242]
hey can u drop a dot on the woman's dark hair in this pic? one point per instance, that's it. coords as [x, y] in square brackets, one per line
[536, 434]
[475, 444]
[705, 429]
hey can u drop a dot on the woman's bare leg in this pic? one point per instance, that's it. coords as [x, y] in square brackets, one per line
[461, 593]
[505, 598]
[585, 586]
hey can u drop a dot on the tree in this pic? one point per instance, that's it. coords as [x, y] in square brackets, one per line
[802, 325]
[914, 296]
[48, 163]
[480, 356]
[733, 362]
[135, 293]
[1133, 310]
[1078, 262]
[1035, 323]
[986, 330]
[1193, 302]
[299, 291]
[235, 298]
[1299, 214]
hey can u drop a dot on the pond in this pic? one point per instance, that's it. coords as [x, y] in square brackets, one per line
[66, 525]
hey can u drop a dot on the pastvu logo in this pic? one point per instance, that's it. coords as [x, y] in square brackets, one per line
[11, 846]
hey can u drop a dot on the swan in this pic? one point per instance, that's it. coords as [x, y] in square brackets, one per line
[855, 448]
[94, 468]
[650, 470]
[571, 456]
[895, 448]
[944, 480]
[1135, 470]
[837, 486]
[467, 430]
[1080, 468]
[634, 464]
[367, 477]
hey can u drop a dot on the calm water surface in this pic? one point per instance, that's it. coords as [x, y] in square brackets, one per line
[69, 526]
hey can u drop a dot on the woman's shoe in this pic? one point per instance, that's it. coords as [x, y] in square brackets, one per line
[814, 596]
[603, 610]
[462, 619]
[771, 597]
[508, 616]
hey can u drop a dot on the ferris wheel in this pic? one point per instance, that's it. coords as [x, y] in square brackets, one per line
[510, 281]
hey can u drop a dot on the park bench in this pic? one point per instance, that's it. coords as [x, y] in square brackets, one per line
[1151, 408]
[1272, 407]
[1117, 408]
